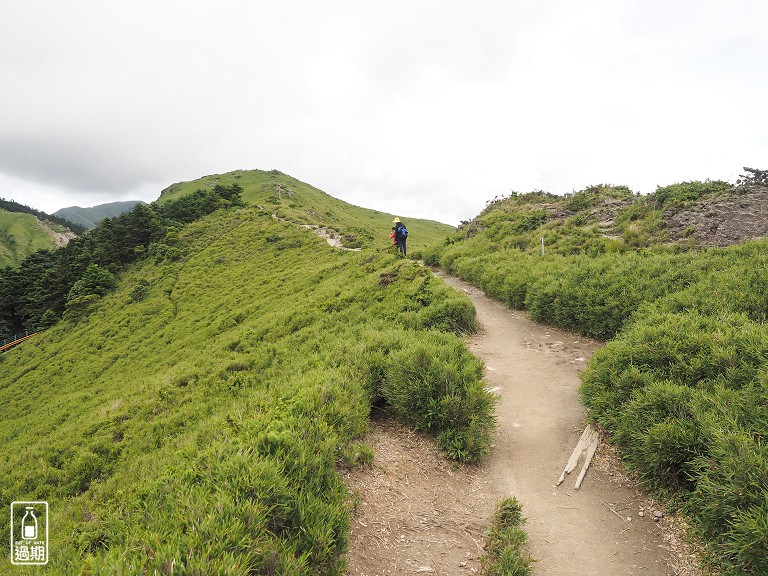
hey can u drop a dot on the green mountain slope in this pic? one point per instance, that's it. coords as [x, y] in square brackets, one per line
[296, 201]
[22, 234]
[193, 420]
[90, 217]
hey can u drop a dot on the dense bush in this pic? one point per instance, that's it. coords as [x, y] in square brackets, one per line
[686, 397]
[435, 385]
[598, 295]
[595, 296]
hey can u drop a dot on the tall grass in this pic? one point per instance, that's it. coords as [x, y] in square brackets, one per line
[193, 421]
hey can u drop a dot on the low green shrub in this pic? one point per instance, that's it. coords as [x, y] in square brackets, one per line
[505, 553]
[661, 435]
[449, 315]
[433, 383]
[597, 296]
[688, 348]
[729, 504]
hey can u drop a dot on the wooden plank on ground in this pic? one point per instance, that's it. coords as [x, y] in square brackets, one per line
[589, 440]
[590, 453]
[584, 441]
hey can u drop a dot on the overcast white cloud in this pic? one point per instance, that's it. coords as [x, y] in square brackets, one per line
[426, 107]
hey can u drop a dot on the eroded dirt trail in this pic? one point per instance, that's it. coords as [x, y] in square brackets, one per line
[420, 513]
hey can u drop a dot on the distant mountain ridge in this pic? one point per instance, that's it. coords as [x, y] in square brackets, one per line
[90, 217]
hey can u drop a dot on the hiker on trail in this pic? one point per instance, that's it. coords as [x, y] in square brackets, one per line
[399, 235]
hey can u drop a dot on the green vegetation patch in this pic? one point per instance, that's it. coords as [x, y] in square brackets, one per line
[580, 223]
[51, 282]
[685, 396]
[505, 553]
[684, 193]
[594, 295]
[600, 219]
[193, 420]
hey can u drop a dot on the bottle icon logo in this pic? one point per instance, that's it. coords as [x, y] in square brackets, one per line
[29, 533]
[29, 524]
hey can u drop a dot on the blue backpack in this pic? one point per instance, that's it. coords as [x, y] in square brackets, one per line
[403, 231]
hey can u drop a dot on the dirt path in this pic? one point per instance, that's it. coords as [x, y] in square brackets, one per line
[421, 514]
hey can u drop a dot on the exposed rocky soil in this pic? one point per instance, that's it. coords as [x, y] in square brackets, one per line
[59, 238]
[730, 219]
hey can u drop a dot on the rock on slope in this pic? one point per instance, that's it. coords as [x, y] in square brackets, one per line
[730, 219]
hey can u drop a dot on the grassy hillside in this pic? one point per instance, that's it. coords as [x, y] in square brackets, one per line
[681, 386]
[193, 420]
[24, 231]
[89, 217]
[298, 202]
[21, 235]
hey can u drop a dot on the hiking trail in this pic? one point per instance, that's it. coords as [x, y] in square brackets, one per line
[419, 513]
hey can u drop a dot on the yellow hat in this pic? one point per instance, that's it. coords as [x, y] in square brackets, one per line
[396, 220]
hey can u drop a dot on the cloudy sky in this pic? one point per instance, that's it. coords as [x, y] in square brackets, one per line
[421, 107]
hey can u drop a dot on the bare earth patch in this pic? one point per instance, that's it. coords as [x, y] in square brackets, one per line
[329, 235]
[418, 511]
